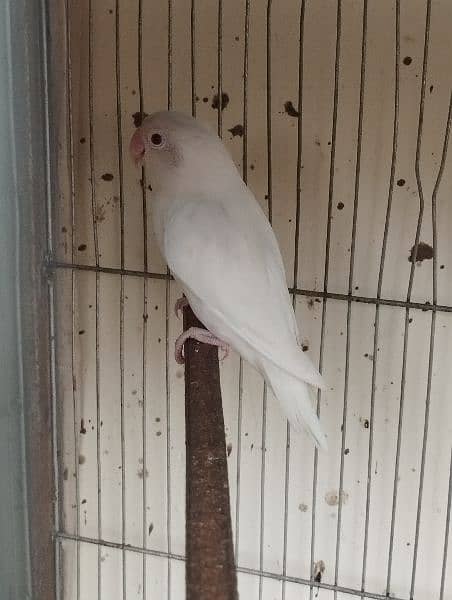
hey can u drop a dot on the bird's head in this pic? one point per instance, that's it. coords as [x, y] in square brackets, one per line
[180, 151]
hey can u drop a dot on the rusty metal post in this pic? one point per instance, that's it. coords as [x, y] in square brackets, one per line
[210, 570]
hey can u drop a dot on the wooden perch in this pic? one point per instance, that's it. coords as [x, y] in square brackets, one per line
[210, 569]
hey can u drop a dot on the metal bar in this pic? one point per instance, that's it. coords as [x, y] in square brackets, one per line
[91, 129]
[144, 415]
[210, 570]
[245, 92]
[424, 449]
[325, 275]
[193, 56]
[299, 143]
[247, 571]
[434, 201]
[53, 585]
[98, 420]
[286, 506]
[122, 294]
[295, 272]
[220, 68]
[119, 130]
[262, 487]
[240, 376]
[409, 291]
[418, 148]
[168, 430]
[145, 305]
[109, 270]
[238, 464]
[56, 478]
[424, 306]
[270, 214]
[167, 316]
[96, 254]
[432, 345]
[350, 287]
[269, 111]
[123, 442]
[379, 288]
[44, 39]
[170, 55]
[73, 287]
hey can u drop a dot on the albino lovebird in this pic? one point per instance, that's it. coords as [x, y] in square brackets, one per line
[221, 248]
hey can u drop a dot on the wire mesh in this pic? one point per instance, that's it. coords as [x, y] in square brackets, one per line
[368, 533]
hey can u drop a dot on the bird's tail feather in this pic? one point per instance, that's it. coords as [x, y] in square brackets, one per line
[296, 399]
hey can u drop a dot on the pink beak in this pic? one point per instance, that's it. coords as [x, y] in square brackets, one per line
[137, 147]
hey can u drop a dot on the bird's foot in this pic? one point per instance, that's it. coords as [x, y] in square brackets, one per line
[201, 335]
[180, 305]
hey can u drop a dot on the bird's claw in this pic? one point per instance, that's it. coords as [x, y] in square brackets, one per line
[201, 335]
[225, 352]
[181, 303]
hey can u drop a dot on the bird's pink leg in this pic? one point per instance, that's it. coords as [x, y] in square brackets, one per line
[201, 335]
[180, 305]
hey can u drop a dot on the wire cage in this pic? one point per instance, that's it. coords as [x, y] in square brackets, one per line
[338, 115]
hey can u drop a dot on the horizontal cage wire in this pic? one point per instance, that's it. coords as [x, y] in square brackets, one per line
[338, 115]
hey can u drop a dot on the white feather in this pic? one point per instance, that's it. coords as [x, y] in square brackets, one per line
[220, 246]
[296, 399]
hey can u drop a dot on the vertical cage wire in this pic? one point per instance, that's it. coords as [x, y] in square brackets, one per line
[167, 348]
[326, 273]
[145, 304]
[325, 295]
[380, 283]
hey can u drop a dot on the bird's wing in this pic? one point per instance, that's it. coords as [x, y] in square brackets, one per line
[229, 259]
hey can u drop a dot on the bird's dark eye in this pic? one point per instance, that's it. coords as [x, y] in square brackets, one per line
[156, 139]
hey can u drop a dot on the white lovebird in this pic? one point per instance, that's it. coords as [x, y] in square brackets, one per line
[221, 248]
